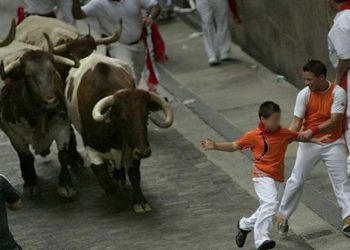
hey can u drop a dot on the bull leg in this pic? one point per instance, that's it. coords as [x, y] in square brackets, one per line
[75, 160]
[26, 160]
[65, 185]
[119, 176]
[104, 178]
[139, 201]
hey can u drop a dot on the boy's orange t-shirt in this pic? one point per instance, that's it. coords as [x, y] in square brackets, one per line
[269, 149]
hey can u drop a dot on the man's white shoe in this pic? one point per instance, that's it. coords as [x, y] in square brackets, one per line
[213, 61]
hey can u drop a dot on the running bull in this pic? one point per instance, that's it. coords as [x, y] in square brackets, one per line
[32, 110]
[66, 39]
[111, 116]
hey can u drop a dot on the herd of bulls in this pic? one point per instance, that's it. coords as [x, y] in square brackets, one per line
[53, 78]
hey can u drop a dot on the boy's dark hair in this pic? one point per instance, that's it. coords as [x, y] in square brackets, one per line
[340, 1]
[268, 108]
[316, 67]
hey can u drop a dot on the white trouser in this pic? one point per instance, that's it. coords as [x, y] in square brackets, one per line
[308, 155]
[347, 136]
[262, 220]
[64, 8]
[215, 25]
[133, 55]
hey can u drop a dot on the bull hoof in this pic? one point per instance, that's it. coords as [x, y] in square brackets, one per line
[67, 192]
[31, 191]
[142, 208]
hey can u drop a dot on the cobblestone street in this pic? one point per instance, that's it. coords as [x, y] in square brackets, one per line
[196, 205]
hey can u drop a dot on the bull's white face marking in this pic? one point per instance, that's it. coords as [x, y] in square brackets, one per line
[98, 158]
[75, 76]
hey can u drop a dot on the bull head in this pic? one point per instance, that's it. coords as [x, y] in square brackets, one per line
[109, 101]
[59, 49]
[11, 35]
[127, 110]
[4, 71]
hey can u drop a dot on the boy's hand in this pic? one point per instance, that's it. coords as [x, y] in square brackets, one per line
[208, 144]
[305, 135]
[321, 140]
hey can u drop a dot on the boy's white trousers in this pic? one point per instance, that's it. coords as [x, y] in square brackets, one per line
[262, 220]
[215, 24]
[334, 156]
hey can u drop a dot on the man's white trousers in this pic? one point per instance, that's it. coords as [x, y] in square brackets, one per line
[334, 156]
[215, 25]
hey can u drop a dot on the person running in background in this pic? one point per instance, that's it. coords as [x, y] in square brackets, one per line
[130, 47]
[339, 54]
[216, 31]
[268, 143]
[319, 110]
[49, 8]
[9, 198]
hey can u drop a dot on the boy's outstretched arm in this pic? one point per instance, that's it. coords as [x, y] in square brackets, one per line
[209, 144]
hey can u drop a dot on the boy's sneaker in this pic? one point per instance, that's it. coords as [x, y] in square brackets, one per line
[282, 225]
[346, 227]
[241, 236]
[267, 244]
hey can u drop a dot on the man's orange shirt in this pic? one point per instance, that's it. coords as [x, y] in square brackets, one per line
[269, 149]
[317, 107]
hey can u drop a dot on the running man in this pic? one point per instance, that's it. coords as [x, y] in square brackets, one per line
[269, 144]
[130, 47]
[216, 31]
[319, 110]
[339, 53]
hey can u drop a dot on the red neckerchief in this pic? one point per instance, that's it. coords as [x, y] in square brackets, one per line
[264, 131]
[344, 6]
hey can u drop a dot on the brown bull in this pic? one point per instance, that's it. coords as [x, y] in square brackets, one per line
[111, 116]
[66, 39]
[33, 110]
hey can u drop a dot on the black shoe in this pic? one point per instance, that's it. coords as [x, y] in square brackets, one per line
[268, 244]
[241, 236]
[213, 64]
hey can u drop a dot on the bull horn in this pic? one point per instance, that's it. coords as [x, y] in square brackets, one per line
[168, 112]
[60, 48]
[113, 38]
[11, 35]
[66, 61]
[101, 105]
[4, 71]
[49, 43]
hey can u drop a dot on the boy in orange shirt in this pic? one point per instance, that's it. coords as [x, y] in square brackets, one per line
[269, 144]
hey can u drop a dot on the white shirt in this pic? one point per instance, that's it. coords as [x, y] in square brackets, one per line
[339, 39]
[108, 13]
[64, 8]
[338, 105]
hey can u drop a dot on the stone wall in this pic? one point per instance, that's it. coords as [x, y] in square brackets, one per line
[283, 34]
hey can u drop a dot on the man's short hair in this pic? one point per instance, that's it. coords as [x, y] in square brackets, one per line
[268, 108]
[316, 67]
[340, 1]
